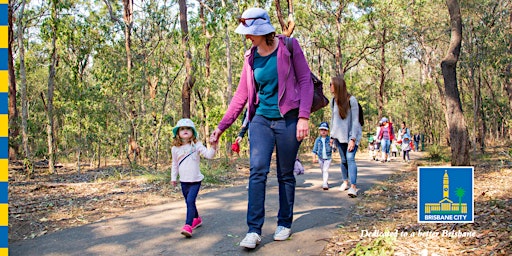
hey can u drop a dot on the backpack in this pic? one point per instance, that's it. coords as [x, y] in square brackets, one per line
[361, 113]
[319, 99]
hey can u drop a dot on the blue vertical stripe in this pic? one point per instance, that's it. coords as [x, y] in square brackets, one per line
[4, 108]
[4, 192]
[4, 144]
[4, 14]
[3, 58]
[4, 236]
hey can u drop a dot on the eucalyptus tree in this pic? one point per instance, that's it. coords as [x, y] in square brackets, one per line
[14, 130]
[424, 33]
[481, 27]
[508, 67]
[78, 39]
[188, 84]
[455, 120]
[55, 7]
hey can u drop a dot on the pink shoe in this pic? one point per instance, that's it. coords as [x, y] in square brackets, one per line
[186, 231]
[197, 222]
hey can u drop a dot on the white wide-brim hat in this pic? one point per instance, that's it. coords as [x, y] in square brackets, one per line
[257, 23]
[185, 122]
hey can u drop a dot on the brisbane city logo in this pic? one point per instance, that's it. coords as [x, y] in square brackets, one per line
[445, 195]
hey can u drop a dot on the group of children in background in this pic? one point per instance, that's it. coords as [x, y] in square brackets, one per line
[403, 144]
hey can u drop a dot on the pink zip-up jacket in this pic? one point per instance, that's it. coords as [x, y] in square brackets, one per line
[294, 84]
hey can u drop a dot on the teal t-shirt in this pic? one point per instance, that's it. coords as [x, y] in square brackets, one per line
[265, 74]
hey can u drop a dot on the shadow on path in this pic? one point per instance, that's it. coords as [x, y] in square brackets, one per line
[156, 230]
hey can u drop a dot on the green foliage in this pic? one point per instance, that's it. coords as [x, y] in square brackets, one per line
[214, 171]
[98, 104]
[437, 153]
[377, 247]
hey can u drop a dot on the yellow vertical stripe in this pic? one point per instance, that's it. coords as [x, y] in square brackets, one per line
[4, 252]
[4, 1]
[4, 170]
[4, 37]
[4, 81]
[4, 214]
[4, 126]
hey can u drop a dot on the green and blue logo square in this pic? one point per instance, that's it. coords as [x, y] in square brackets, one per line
[445, 194]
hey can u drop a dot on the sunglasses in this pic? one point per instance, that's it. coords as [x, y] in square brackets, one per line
[243, 20]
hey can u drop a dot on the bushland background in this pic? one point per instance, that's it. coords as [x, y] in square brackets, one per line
[98, 85]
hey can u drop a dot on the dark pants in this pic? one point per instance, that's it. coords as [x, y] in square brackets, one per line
[190, 191]
[265, 135]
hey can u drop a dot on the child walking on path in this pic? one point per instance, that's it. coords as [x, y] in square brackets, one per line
[323, 151]
[186, 153]
[406, 147]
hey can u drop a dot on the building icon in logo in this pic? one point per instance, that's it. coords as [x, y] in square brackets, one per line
[447, 206]
[445, 194]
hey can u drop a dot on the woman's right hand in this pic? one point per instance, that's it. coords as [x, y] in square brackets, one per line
[215, 136]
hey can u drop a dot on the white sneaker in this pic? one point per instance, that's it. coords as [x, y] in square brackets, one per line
[282, 233]
[251, 240]
[344, 186]
[352, 192]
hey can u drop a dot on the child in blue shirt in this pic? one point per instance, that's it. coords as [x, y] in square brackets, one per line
[323, 151]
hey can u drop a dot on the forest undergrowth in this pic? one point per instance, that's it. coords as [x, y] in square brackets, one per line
[392, 206]
[46, 203]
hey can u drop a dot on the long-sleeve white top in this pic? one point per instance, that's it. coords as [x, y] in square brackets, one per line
[189, 170]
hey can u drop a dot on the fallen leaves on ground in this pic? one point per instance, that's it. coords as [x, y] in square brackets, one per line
[392, 206]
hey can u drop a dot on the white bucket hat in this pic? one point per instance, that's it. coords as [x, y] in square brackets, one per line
[185, 122]
[255, 21]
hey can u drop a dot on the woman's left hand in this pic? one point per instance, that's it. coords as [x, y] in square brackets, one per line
[302, 129]
[351, 145]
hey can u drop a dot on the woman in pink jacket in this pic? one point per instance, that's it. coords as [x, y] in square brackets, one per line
[277, 90]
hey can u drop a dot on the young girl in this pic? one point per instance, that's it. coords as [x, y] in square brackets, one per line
[371, 150]
[394, 149]
[406, 147]
[185, 162]
[323, 151]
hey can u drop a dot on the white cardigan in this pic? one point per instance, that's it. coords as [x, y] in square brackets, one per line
[189, 170]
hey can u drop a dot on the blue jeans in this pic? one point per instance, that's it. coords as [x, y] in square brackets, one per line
[385, 144]
[348, 162]
[190, 191]
[265, 135]
[416, 149]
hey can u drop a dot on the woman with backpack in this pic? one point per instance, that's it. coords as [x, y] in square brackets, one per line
[277, 90]
[346, 132]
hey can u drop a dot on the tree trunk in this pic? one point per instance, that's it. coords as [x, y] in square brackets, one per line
[49, 97]
[339, 54]
[14, 130]
[454, 114]
[229, 88]
[508, 70]
[208, 37]
[205, 128]
[188, 84]
[288, 27]
[128, 21]
[382, 73]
